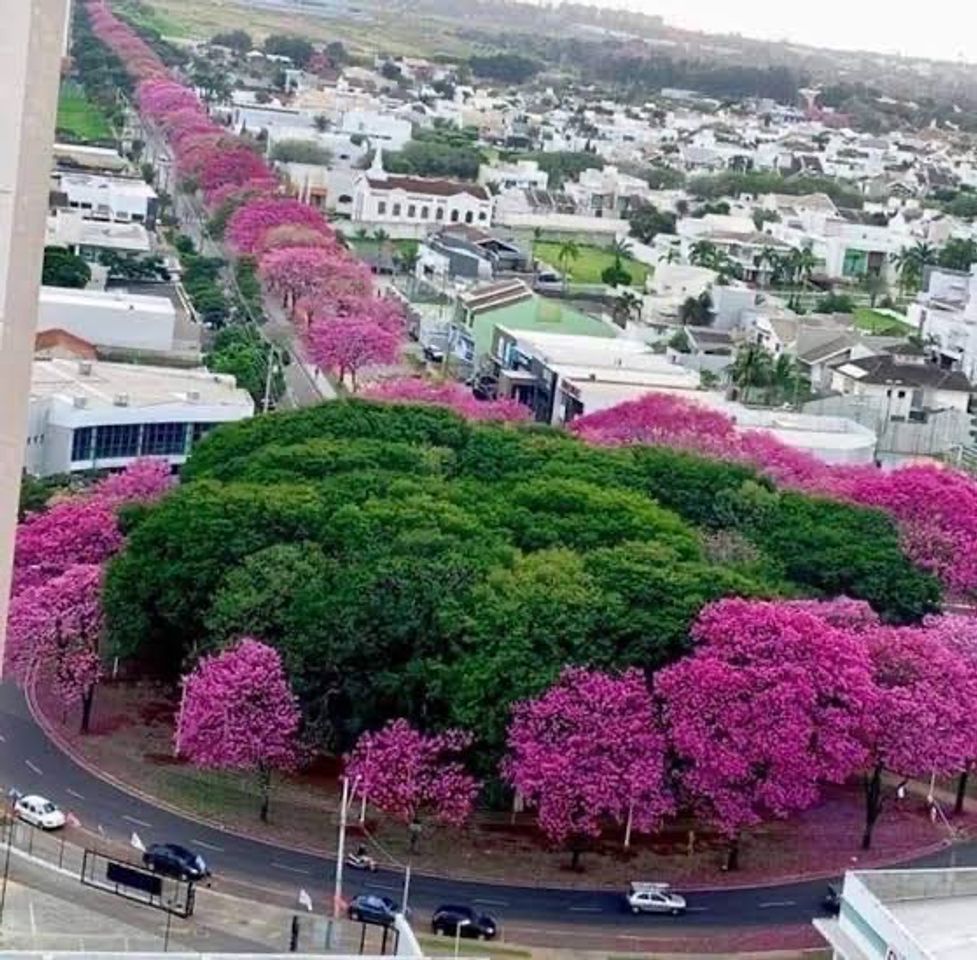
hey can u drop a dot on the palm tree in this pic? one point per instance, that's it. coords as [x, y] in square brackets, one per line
[802, 264]
[785, 376]
[874, 285]
[626, 307]
[752, 367]
[568, 252]
[703, 254]
[771, 258]
[674, 255]
[620, 249]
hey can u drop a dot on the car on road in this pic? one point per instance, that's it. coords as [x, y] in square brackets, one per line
[174, 860]
[372, 908]
[39, 812]
[448, 920]
[831, 901]
[654, 898]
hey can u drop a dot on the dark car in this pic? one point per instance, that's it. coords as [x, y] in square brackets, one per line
[372, 908]
[831, 902]
[448, 919]
[172, 860]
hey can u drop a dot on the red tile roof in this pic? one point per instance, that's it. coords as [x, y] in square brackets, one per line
[438, 188]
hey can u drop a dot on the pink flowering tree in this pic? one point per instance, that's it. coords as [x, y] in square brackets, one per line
[253, 219]
[408, 774]
[345, 345]
[447, 394]
[143, 481]
[54, 628]
[924, 711]
[587, 752]
[304, 272]
[773, 703]
[238, 713]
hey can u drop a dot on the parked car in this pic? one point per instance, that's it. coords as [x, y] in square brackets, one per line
[654, 898]
[39, 812]
[447, 920]
[831, 902]
[372, 908]
[174, 860]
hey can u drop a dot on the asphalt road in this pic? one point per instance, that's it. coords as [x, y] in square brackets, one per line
[31, 763]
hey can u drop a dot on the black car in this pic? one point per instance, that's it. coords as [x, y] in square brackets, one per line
[447, 920]
[172, 860]
[831, 902]
[372, 908]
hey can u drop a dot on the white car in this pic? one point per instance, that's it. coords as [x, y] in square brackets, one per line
[654, 898]
[39, 812]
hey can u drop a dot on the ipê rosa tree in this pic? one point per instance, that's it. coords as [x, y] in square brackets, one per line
[237, 712]
[54, 629]
[773, 703]
[590, 751]
[408, 774]
[923, 711]
[345, 345]
[453, 396]
[252, 220]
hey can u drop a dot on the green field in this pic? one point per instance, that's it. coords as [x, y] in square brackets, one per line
[879, 324]
[141, 13]
[81, 118]
[591, 263]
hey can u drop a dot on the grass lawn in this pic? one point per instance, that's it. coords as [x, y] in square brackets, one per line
[79, 116]
[879, 324]
[146, 13]
[591, 263]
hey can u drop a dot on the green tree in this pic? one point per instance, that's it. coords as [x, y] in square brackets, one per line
[569, 252]
[297, 49]
[751, 368]
[301, 151]
[958, 254]
[238, 40]
[62, 268]
[647, 222]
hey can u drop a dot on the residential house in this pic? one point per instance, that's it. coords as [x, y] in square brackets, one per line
[519, 175]
[510, 303]
[607, 192]
[467, 253]
[945, 313]
[119, 199]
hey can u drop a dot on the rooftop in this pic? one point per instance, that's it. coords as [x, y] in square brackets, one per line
[429, 186]
[101, 384]
[107, 300]
[883, 369]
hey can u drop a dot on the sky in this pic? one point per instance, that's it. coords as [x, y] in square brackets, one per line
[940, 29]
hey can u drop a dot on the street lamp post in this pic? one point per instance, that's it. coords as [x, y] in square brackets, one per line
[462, 922]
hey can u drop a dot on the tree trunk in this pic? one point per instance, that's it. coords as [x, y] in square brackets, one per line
[575, 857]
[962, 790]
[87, 702]
[733, 854]
[264, 782]
[873, 804]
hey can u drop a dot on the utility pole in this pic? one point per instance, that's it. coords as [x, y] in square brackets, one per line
[266, 401]
[340, 851]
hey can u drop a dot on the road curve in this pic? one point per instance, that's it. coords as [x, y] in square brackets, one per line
[30, 762]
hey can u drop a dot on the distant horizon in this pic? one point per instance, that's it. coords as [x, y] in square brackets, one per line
[830, 24]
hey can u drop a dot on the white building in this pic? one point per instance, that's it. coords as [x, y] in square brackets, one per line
[88, 415]
[88, 238]
[905, 915]
[520, 175]
[607, 191]
[109, 318]
[945, 314]
[419, 204]
[121, 199]
[381, 129]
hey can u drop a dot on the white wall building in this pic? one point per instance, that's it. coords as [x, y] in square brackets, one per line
[125, 200]
[520, 175]
[905, 915]
[109, 318]
[381, 129]
[945, 314]
[87, 238]
[88, 415]
[384, 200]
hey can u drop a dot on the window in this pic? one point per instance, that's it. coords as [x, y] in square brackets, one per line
[425, 213]
[396, 209]
[162, 439]
[412, 211]
[439, 215]
[481, 216]
[469, 217]
[81, 443]
[199, 429]
[117, 440]
[901, 394]
[382, 208]
[454, 216]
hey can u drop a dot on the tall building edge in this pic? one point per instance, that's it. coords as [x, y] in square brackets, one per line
[30, 51]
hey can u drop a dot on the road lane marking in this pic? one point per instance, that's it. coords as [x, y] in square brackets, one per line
[285, 866]
[30, 910]
[383, 886]
[492, 903]
[586, 910]
[74, 793]
[778, 903]
[136, 820]
[3, 739]
[696, 909]
[208, 846]
[34, 767]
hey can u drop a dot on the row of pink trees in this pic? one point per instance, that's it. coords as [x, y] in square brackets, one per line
[934, 507]
[777, 700]
[55, 618]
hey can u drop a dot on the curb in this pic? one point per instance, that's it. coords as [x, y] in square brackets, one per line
[62, 744]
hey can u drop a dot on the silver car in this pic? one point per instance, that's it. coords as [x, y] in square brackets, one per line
[654, 898]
